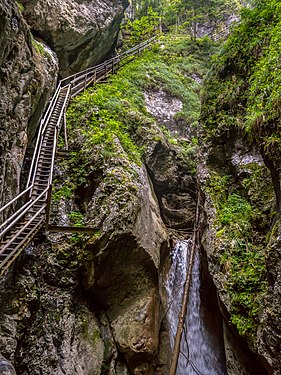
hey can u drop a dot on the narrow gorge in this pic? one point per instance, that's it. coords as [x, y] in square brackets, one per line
[191, 118]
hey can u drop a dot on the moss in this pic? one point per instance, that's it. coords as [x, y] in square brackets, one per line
[20, 6]
[243, 90]
[96, 335]
[242, 96]
[241, 246]
[39, 48]
[110, 121]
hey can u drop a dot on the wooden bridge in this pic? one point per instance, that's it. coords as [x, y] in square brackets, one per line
[26, 214]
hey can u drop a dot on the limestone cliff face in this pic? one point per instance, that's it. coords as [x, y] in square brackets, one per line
[82, 33]
[252, 271]
[27, 77]
[91, 305]
[242, 185]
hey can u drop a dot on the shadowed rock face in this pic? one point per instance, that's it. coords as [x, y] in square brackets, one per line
[81, 310]
[174, 186]
[257, 354]
[81, 33]
[27, 76]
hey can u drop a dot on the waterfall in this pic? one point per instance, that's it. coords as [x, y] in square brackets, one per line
[203, 354]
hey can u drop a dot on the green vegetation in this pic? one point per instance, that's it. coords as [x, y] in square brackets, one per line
[76, 218]
[242, 96]
[110, 117]
[244, 87]
[240, 238]
[189, 14]
[141, 28]
[20, 6]
[39, 48]
[110, 131]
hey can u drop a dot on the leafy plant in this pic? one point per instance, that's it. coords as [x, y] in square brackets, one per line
[20, 6]
[242, 251]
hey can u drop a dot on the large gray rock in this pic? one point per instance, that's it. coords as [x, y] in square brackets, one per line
[256, 351]
[120, 271]
[91, 305]
[27, 76]
[6, 368]
[81, 33]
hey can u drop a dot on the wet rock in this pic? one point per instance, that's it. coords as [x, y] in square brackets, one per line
[91, 305]
[6, 368]
[136, 332]
[163, 107]
[82, 33]
[232, 156]
[120, 274]
[55, 331]
[174, 185]
[269, 330]
[27, 76]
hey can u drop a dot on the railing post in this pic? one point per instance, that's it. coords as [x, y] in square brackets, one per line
[65, 131]
[85, 79]
[48, 207]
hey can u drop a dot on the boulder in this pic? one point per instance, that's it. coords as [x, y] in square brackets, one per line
[6, 368]
[81, 32]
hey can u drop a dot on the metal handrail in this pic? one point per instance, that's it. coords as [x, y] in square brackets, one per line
[15, 199]
[119, 57]
[77, 76]
[12, 217]
[22, 229]
[76, 83]
[11, 256]
[31, 203]
[41, 132]
[56, 135]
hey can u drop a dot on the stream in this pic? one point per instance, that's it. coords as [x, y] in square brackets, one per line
[201, 345]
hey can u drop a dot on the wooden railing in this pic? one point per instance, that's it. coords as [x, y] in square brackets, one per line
[31, 207]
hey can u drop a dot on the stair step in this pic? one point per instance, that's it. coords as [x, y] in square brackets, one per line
[43, 173]
[44, 168]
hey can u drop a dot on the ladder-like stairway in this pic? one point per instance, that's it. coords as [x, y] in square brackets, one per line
[26, 214]
[20, 231]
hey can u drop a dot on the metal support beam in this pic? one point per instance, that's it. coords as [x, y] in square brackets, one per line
[61, 229]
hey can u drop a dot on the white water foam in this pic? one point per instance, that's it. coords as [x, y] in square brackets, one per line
[198, 355]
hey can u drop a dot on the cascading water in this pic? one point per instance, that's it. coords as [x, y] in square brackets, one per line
[200, 350]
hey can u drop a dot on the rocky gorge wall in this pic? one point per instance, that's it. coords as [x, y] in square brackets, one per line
[81, 33]
[74, 35]
[241, 177]
[73, 297]
[241, 276]
[28, 76]
[90, 304]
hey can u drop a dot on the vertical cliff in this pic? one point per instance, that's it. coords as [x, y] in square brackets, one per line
[94, 303]
[75, 297]
[28, 76]
[241, 176]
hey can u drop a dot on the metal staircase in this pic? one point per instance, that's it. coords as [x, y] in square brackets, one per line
[26, 214]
